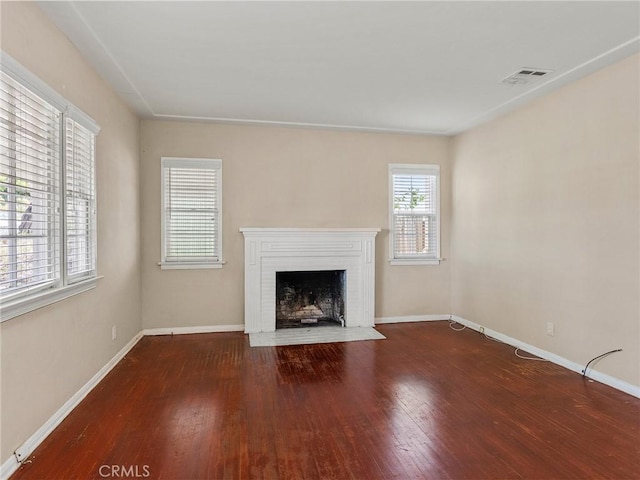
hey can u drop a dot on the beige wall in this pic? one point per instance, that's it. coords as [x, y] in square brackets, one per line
[285, 177]
[546, 222]
[47, 355]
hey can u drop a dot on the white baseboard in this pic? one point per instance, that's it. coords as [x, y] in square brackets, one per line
[412, 318]
[9, 467]
[23, 451]
[188, 330]
[552, 357]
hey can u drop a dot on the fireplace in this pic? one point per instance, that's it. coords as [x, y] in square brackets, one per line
[270, 252]
[310, 298]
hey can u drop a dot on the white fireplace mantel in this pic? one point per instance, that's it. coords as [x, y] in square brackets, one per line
[271, 250]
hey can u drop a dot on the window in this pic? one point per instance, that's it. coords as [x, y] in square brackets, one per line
[80, 201]
[191, 205]
[47, 194]
[414, 214]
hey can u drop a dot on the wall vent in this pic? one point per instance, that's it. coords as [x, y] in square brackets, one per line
[524, 76]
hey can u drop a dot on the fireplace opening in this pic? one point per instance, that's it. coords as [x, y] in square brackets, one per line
[310, 298]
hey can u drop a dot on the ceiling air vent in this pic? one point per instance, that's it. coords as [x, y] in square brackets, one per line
[525, 75]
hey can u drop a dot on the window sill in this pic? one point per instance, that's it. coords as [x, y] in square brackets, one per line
[20, 306]
[189, 266]
[415, 261]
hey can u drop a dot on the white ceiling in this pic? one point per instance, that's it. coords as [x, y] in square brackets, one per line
[420, 67]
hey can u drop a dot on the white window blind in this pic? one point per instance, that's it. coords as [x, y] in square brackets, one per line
[47, 194]
[414, 212]
[191, 210]
[80, 201]
[29, 189]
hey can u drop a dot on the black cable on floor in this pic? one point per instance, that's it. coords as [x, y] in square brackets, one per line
[584, 372]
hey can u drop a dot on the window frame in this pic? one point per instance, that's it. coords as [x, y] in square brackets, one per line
[417, 258]
[191, 263]
[62, 286]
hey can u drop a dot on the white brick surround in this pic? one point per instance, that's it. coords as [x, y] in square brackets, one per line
[271, 250]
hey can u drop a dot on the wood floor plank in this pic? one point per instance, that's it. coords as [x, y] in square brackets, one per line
[427, 402]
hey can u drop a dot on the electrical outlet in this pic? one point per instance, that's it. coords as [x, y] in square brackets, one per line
[550, 329]
[114, 332]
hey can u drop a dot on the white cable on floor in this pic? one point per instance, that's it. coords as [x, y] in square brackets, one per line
[452, 323]
[523, 357]
[529, 358]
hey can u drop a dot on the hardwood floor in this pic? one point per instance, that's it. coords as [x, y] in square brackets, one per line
[427, 403]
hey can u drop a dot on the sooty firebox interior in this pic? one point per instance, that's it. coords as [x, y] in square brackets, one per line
[310, 298]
